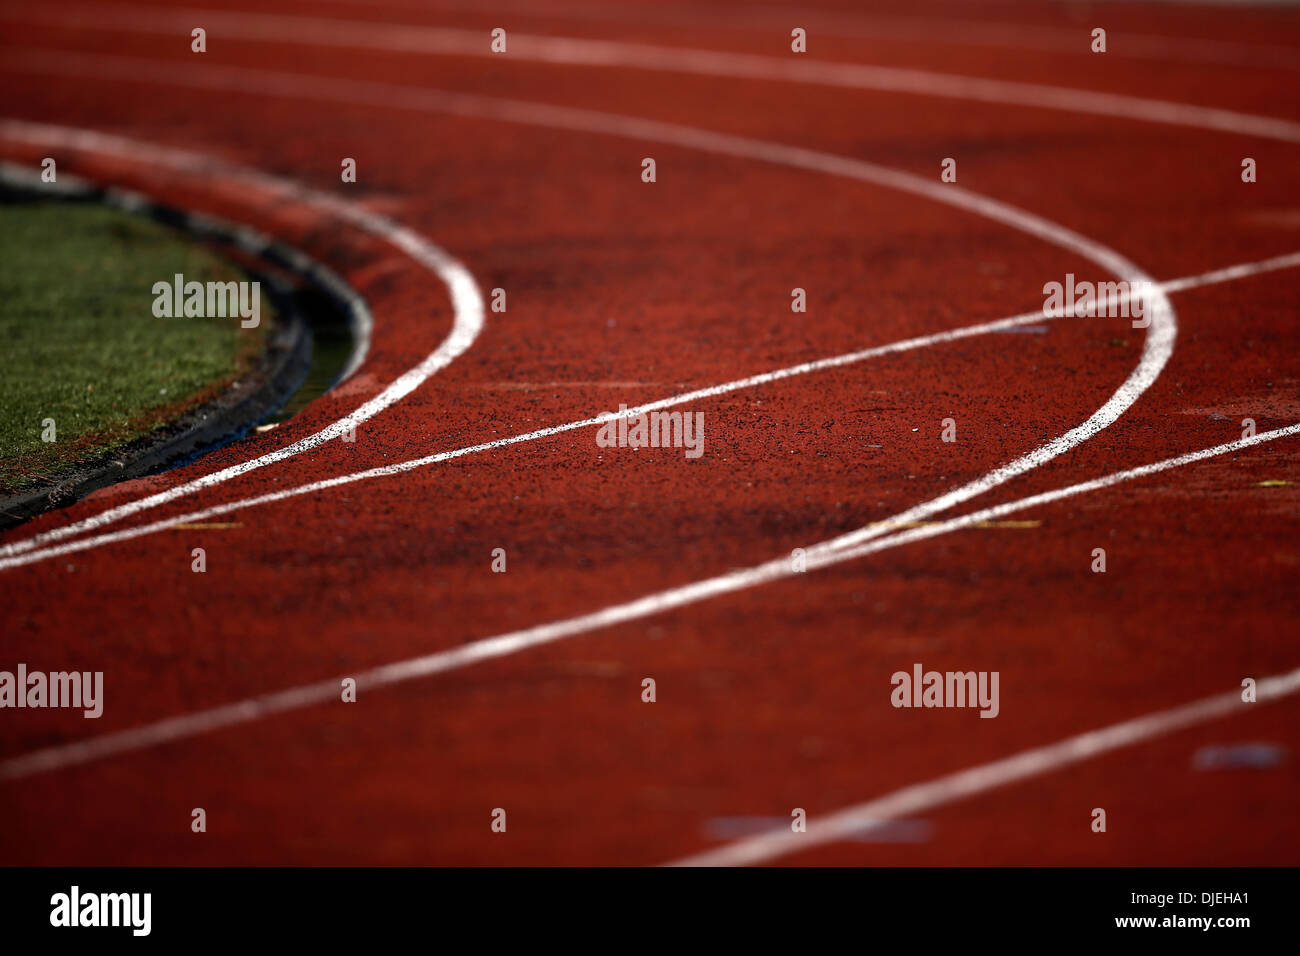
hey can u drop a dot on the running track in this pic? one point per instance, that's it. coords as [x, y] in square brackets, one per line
[475, 431]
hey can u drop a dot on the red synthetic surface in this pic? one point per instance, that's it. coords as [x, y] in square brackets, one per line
[773, 697]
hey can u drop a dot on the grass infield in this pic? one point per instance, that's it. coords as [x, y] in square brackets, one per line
[81, 344]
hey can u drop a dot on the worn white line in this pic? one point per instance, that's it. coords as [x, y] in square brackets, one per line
[255, 708]
[467, 303]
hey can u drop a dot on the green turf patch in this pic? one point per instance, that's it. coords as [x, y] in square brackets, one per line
[81, 344]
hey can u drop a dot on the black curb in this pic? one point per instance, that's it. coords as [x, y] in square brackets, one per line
[243, 405]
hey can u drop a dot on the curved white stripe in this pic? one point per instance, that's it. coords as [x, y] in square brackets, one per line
[467, 303]
[294, 698]
[577, 51]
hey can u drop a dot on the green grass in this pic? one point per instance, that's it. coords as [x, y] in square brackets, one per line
[79, 342]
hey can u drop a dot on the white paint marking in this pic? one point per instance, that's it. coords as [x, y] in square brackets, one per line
[846, 824]
[577, 51]
[467, 303]
[1228, 274]
[255, 708]
[832, 552]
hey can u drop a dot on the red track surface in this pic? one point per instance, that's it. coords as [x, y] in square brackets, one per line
[772, 697]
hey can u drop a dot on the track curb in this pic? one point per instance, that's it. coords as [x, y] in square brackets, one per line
[242, 405]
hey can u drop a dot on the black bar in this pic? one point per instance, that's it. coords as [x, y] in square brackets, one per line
[333, 906]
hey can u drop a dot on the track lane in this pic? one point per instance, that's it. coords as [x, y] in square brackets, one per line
[1108, 445]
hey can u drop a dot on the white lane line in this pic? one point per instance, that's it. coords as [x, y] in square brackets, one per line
[467, 303]
[846, 824]
[1215, 276]
[824, 553]
[1231, 273]
[577, 51]
[255, 708]
[1156, 348]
